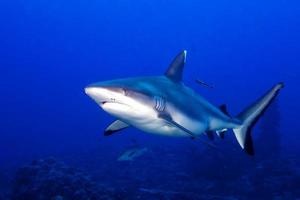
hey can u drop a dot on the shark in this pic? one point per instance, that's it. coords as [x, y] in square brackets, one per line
[132, 153]
[165, 105]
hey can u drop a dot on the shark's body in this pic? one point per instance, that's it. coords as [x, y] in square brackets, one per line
[185, 106]
[164, 105]
[132, 153]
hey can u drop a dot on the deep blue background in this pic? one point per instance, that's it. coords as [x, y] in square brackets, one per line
[50, 50]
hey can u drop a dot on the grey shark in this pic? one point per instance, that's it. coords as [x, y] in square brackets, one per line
[164, 105]
[132, 153]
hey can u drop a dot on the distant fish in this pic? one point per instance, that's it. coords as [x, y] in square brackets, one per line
[204, 84]
[132, 153]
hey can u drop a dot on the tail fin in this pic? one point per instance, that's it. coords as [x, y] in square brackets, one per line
[251, 115]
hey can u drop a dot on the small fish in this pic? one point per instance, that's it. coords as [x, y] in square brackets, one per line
[132, 153]
[204, 84]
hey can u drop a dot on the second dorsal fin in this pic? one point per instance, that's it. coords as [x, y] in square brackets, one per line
[175, 70]
[223, 108]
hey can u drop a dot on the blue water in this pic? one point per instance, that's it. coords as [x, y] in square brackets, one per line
[50, 50]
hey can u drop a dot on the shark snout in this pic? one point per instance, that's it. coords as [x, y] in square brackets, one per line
[96, 93]
[89, 90]
[101, 94]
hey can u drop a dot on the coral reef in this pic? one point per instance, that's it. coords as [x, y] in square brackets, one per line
[50, 179]
[181, 170]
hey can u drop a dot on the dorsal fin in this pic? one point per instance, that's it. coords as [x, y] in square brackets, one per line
[175, 69]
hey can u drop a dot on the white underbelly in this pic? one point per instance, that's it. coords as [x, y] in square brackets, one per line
[162, 127]
[146, 120]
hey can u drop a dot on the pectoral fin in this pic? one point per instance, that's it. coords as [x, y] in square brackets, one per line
[117, 125]
[169, 119]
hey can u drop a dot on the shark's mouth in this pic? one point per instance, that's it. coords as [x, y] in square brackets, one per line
[115, 108]
[103, 103]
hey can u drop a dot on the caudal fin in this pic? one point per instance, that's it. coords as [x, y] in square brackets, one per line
[251, 115]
